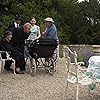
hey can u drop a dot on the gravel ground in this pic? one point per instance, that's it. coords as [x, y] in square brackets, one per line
[41, 87]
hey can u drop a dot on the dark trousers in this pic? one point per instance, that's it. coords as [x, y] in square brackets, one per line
[7, 64]
[21, 50]
[19, 63]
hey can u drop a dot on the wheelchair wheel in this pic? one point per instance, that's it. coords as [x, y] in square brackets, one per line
[33, 70]
[47, 70]
[33, 73]
[51, 70]
[51, 67]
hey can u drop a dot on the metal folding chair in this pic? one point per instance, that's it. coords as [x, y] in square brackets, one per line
[75, 73]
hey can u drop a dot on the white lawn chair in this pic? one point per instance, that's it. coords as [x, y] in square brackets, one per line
[2, 61]
[76, 77]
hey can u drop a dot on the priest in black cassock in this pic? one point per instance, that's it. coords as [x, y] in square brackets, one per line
[19, 36]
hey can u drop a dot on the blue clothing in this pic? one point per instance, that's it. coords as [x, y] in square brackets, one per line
[51, 32]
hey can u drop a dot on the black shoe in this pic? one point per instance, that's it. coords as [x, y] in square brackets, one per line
[19, 72]
[9, 69]
[24, 69]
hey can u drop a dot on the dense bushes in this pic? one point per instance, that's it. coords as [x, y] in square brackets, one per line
[76, 22]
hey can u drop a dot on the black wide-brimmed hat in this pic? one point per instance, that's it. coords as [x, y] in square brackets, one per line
[18, 17]
[7, 33]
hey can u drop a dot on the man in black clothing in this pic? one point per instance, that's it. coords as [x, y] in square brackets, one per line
[5, 45]
[19, 36]
[16, 23]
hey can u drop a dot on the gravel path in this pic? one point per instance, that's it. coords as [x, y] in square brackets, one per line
[41, 87]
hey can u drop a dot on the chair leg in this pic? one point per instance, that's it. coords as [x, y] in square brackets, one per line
[13, 65]
[0, 66]
[77, 90]
[31, 62]
[28, 65]
[89, 92]
[66, 89]
[55, 64]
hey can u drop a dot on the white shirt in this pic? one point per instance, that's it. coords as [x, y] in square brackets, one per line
[16, 25]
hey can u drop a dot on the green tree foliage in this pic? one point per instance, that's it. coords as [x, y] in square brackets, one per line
[90, 12]
[76, 22]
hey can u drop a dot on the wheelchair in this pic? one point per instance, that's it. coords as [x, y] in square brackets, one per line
[42, 51]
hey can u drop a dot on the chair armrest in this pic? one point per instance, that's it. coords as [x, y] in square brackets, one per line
[3, 51]
[7, 54]
[82, 69]
[81, 63]
[78, 66]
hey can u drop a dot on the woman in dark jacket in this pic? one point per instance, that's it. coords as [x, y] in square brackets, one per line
[5, 45]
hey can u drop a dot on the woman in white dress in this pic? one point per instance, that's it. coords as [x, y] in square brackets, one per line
[35, 30]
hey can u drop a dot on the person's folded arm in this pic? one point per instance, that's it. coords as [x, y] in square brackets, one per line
[7, 47]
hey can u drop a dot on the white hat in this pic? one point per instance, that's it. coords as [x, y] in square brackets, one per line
[49, 19]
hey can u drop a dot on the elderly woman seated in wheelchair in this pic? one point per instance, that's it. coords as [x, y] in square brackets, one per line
[5, 45]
